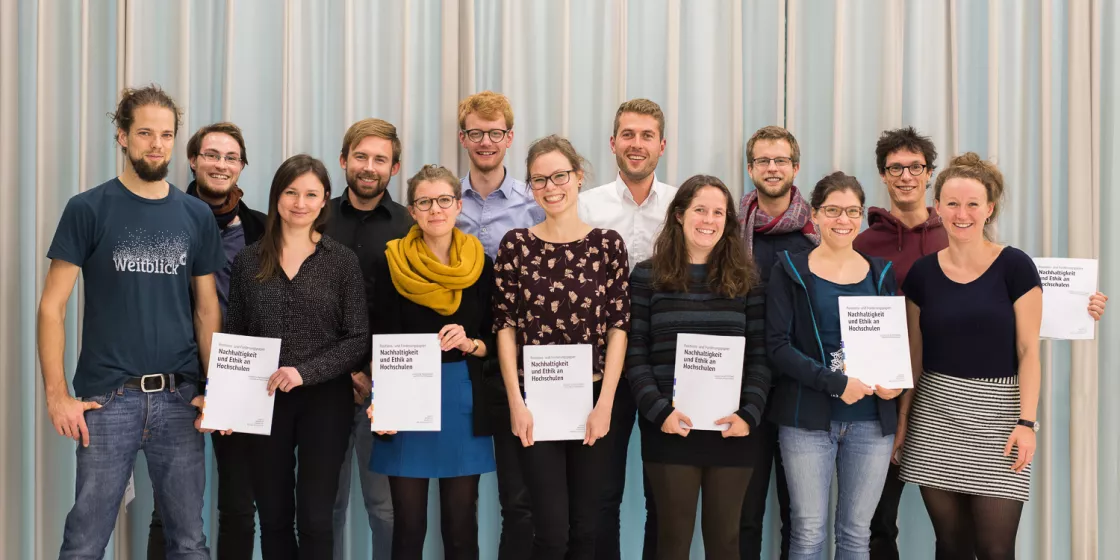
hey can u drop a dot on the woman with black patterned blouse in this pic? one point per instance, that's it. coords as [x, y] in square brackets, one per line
[306, 289]
[562, 282]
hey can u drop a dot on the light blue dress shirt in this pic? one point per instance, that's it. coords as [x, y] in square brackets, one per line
[510, 207]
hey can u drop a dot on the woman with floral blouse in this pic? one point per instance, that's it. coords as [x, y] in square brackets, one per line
[562, 282]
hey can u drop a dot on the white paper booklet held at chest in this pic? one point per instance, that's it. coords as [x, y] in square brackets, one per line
[237, 383]
[558, 390]
[708, 378]
[1066, 287]
[407, 383]
[876, 344]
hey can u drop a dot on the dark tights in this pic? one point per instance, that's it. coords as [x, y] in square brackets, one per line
[968, 526]
[458, 505]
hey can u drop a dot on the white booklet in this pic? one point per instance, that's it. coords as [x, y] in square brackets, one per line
[407, 382]
[876, 344]
[1066, 287]
[708, 379]
[558, 390]
[237, 383]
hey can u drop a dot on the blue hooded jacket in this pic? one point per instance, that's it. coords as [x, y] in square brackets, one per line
[804, 383]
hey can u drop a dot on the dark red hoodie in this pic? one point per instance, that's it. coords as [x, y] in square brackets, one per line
[888, 238]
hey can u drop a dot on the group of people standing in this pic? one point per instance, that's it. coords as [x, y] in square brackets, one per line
[491, 264]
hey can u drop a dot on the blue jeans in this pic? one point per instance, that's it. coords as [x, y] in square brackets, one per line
[859, 454]
[162, 425]
[375, 492]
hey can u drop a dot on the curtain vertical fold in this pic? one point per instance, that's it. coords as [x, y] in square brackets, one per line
[1030, 85]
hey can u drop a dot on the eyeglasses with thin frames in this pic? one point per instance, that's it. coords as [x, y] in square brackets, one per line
[853, 212]
[215, 157]
[779, 161]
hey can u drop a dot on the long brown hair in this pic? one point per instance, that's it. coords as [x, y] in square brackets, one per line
[730, 272]
[273, 239]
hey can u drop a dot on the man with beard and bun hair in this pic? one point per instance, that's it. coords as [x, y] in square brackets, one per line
[495, 202]
[775, 218]
[217, 156]
[148, 254]
[365, 218]
[634, 205]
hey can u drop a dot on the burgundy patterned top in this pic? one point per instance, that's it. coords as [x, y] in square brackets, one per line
[562, 293]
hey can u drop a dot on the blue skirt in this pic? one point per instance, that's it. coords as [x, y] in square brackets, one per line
[452, 451]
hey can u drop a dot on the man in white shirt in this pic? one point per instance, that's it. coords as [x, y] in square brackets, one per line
[634, 205]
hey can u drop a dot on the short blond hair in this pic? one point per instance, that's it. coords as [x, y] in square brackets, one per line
[774, 133]
[642, 107]
[371, 127]
[488, 105]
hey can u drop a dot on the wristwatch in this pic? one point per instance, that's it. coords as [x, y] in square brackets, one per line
[1032, 425]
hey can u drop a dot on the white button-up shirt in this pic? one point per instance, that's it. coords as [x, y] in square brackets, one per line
[612, 206]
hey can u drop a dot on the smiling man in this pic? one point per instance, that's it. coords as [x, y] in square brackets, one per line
[148, 254]
[364, 218]
[634, 205]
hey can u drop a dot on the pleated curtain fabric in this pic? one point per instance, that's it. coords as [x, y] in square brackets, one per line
[1032, 85]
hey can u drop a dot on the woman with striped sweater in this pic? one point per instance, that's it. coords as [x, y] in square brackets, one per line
[699, 281]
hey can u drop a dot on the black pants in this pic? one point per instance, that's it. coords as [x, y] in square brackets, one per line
[607, 545]
[884, 525]
[766, 456]
[677, 488]
[513, 495]
[565, 481]
[236, 513]
[311, 427]
[458, 509]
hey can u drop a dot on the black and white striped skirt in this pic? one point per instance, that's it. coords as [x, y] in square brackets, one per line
[956, 434]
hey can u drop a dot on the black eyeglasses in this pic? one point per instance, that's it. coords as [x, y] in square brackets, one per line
[853, 212]
[425, 204]
[558, 178]
[214, 158]
[475, 134]
[779, 161]
[915, 169]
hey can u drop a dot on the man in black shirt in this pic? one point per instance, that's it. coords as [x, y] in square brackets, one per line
[364, 218]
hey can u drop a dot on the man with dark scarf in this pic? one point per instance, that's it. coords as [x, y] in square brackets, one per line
[217, 156]
[774, 218]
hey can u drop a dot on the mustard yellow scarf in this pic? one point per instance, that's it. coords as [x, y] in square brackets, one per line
[419, 276]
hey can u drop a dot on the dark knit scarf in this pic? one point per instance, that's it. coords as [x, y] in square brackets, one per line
[225, 212]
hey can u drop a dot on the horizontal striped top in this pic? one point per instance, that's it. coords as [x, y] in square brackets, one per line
[656, 320]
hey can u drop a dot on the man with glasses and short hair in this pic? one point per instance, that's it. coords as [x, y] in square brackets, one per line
[217, 156]
[364, 218]
[634, 205]
[495, 202]
[774, 218]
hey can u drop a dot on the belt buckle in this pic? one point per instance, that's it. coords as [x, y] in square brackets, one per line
[162, 382]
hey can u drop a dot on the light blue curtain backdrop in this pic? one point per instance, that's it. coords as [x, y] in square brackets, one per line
[1032, 84]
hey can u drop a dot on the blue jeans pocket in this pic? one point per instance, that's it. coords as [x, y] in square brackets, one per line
[186, 392]
[102, 400]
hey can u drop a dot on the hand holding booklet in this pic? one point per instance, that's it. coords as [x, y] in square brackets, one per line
[407, 383]
[558, 390]
[876, 341]
[237, 383]
[708, 378]
[1066, 287]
